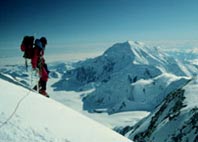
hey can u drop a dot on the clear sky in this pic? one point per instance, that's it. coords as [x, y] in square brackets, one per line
[96, 22]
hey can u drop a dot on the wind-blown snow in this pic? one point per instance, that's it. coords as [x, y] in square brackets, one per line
[41, 119]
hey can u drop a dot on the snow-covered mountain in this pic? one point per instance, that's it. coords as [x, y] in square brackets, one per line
[127, 76]
[175, 120]
[26, 116]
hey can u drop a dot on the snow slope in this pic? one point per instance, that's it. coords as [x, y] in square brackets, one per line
[32, 117]
[176, 119]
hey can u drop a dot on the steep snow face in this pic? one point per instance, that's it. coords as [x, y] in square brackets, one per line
[176, 119]
[128, 76]
[27, 116]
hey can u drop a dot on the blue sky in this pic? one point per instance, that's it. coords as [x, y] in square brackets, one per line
[77, 23]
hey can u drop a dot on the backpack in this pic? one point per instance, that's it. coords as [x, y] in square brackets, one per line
[27, 47]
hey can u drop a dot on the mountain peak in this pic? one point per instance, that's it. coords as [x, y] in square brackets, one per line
[116, 71]
[124, 48]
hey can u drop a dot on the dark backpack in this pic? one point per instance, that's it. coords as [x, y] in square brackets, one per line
[27, 47]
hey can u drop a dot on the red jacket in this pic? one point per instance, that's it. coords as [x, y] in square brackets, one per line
[38, 61]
